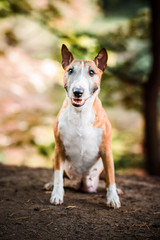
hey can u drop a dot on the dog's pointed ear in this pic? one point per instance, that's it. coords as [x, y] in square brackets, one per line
[67, 56]
[101, 59]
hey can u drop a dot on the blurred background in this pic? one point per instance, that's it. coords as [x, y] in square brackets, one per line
[31, 76]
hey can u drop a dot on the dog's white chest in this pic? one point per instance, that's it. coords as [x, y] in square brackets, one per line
[81, 140]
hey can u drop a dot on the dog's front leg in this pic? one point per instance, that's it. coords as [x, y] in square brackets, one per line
[58, 189]
[112, 196]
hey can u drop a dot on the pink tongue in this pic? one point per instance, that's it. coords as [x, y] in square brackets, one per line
[78, 100]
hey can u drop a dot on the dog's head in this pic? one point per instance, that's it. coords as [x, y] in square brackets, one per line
[82, 78]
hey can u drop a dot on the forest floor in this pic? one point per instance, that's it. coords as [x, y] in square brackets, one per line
[25, 211]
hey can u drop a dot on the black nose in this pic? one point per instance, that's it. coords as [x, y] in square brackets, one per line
[78, 92]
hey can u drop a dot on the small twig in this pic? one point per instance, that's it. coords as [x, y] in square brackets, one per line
[12, 214]
[71, 207]
[49, 223]
[45, 209]
[131, 227]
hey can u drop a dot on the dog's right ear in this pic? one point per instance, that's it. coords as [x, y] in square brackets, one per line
[67, 56]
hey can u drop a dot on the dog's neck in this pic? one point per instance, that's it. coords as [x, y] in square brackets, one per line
[82, 115]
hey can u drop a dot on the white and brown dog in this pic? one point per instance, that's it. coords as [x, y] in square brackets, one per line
[83, 133]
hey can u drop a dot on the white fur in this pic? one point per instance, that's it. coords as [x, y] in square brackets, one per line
[81, 140]
[58, 190]
[112, 196]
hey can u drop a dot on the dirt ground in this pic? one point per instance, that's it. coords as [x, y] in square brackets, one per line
[25, 211]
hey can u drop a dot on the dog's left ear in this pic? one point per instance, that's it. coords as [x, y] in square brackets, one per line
[101, 59]
[67, 56]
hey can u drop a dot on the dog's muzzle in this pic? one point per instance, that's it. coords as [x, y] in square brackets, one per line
[77, 101]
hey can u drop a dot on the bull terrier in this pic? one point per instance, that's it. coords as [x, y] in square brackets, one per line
[82, 131]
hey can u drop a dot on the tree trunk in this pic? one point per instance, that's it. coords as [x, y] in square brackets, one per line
[151, 91]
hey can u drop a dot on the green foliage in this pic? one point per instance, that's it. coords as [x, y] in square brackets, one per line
[139, 27]
[131, 71]
[10, 7]
[128, 160]
[113, 41]
[47, 151]
[122, 143]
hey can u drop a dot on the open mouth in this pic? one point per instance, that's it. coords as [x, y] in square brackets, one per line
[77, 102]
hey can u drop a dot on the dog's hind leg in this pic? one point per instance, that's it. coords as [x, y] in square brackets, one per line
[48, 186]
[91, 178]
[74, 178]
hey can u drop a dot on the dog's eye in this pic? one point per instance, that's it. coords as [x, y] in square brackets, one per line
[91, 73]
[70, 71]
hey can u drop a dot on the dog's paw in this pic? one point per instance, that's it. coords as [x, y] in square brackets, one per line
[112, 197]
[57, 196]
[48, 186]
